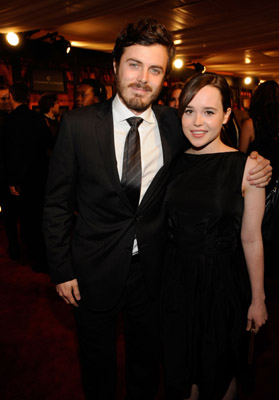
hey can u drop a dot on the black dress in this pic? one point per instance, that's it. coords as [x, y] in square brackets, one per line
[205, 288]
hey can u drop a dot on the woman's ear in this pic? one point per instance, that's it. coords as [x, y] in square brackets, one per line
[227, 115]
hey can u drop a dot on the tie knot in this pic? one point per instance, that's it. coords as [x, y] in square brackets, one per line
[134, 122]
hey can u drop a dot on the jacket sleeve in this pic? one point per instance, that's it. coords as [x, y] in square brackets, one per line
[58, 217]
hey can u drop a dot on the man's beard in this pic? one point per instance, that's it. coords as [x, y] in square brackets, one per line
[136, 103]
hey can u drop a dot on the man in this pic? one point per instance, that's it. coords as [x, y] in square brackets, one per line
[5, 108]
[111, 260]
[27, 141]
[90, 91]
[49, 106]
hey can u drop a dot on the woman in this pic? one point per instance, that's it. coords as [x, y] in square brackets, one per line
[261, 131]
[173, 95]
[205, 307]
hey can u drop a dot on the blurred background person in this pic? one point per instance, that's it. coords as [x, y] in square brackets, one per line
[90, 91]
[6, 211]
[261, 132]
[173, 94]
[230, 132]
[27, 141]
[50, 107]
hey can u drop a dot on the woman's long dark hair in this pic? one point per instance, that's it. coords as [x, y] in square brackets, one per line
[264, 108]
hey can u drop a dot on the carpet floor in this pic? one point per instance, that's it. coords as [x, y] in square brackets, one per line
[38, 344]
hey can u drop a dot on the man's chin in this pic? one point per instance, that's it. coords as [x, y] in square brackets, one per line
[137, 103]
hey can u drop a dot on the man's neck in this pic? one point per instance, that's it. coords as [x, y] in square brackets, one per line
[15, 104]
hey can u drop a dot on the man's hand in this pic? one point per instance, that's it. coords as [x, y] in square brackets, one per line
[69, 291]
[261, 174]
[14, 190]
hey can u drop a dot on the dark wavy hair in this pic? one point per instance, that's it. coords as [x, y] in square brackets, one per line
[196, 82]
[146, 32]
[264, 107]
[20, 92]
[46, 102]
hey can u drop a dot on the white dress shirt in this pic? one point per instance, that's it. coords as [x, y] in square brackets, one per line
[150, 143]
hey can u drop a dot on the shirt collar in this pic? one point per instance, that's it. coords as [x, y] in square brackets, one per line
[121, 112]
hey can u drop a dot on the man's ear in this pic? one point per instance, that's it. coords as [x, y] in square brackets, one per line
[114, 66]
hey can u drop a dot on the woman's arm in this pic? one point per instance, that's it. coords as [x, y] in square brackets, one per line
[247, 135]
[251, 237]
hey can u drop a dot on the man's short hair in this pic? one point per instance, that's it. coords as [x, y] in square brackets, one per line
[145, 32]
[98, 88]
[20, 92]
[46, 102]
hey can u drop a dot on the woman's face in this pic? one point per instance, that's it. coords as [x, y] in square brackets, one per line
[174, 100]
[203, 118]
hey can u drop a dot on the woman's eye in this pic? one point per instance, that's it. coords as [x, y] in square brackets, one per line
[188, 112]
[209, 112]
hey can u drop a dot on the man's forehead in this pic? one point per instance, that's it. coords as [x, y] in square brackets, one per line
[152, 55]
[83, 88]
[4, 92]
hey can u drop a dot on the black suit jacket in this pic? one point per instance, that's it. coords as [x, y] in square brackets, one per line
[27, 140]
[83, 169]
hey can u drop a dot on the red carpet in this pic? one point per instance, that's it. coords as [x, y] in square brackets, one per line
[38, 346]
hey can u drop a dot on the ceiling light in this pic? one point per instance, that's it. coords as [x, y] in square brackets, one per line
[247, 60]
[177, 42]
[68, 48]
[12, 38]
[178, 63]
[247, 80]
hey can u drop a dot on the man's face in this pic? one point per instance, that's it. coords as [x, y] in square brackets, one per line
[56, 109]
[85, 96]
[5, 104]
[140, 75]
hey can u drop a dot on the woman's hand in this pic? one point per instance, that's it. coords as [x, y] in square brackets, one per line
[256, 317]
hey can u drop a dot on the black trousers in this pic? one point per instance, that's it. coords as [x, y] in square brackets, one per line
[97, 340]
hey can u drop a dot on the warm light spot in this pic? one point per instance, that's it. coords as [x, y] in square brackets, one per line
[178, 63]
[12, 38]
[177, 42]
[247, 80]
[247, 60]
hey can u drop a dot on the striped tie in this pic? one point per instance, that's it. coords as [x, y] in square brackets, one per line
[131, 173]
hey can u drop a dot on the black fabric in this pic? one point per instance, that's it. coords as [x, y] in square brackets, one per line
[97, 337]
[97, 247]
[205, 286]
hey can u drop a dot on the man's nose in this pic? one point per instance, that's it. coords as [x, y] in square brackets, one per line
[143, 75]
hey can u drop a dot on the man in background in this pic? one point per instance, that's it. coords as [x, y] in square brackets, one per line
[49, 106]
[8, 204]
[90, 91]
[27, 141]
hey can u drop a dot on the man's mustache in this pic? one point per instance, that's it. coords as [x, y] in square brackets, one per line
[139, 85]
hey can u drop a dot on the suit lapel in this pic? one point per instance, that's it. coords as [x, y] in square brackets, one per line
[105, 136]
[165, 132]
